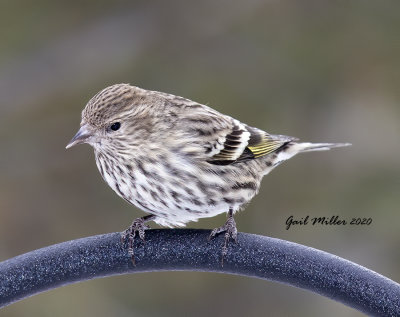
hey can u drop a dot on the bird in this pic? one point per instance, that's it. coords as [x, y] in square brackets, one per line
[178, 160]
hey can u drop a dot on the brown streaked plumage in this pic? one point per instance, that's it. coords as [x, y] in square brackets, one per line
[179, 160]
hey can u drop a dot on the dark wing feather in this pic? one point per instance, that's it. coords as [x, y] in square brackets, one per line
[246, 143]
[235, 142]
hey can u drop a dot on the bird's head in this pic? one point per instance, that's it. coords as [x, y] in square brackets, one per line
[113, 116]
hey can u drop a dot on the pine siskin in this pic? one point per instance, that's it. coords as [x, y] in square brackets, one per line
[179, 160]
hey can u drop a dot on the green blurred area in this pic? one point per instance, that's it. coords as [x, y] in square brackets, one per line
[324, 71]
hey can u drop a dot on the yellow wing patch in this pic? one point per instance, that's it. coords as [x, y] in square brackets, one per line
[265, 146]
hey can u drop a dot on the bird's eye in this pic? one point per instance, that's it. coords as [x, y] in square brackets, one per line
[115, 126]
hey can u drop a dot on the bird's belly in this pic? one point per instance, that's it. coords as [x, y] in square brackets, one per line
[177, 198]
[176, 205]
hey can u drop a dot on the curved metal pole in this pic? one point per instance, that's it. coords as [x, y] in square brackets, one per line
[189, 250]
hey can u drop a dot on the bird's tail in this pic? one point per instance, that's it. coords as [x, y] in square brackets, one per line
[308, 147]
[291, 148]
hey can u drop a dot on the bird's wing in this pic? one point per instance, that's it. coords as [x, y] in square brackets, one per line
[245, 143]
[222, 140]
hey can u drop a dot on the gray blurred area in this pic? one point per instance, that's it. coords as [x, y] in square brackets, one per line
[320, 70]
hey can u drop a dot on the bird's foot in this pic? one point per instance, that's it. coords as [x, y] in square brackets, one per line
[138, 227]
[230, 232]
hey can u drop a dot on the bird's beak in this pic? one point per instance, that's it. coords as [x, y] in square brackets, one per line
[82, 136]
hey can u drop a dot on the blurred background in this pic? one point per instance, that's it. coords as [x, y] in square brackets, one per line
[320, 70]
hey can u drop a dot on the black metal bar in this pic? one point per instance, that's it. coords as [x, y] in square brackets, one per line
[189, 250]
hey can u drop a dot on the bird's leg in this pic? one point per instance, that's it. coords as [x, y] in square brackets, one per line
[230, 232]
[138, 226]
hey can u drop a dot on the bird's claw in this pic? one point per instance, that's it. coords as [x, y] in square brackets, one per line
[230, 233]
[138, 227]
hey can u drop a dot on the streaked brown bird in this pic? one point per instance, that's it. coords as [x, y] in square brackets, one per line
[179, 160]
